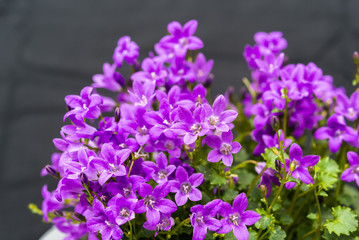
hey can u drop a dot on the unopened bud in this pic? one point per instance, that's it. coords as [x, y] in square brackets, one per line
[117, 114]
[263, 189]
[274, 122]
[209, 80]
[137, 65]
[355, 55]
[58, 213]
[278, 165]
[293, 166]
[79, 216]
[311, 170]
[84, 179]
[69, 108]
[119, 78]
[275, 151]
[51, 171]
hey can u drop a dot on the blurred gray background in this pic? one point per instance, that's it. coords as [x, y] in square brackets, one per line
[49, 49]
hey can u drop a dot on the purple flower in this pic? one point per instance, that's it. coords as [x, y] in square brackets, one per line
[160, 170]
[126, 50]
[336, 132]
[49, 203]
[142, 93]
[110, 163]
[84, 106]
[122, 208]
[352, 173]
[191, 126]
[182, 38]
[270, 141]
[298, 165]
[185, 187]
[126, 186]
[269, 43]
[104, 221]
[271, 65]
[154, 202]
[251, 54]
[218, 117]
[268, 177]
[201, 68]
[223, 148]
[348, 107]
[237, 218]
[110, 79]
[204, 217]
[153, 70]
[165, 224]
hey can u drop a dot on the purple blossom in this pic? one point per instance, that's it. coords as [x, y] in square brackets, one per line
[218, 117]
[142, 93]
[223, 148]
[126, 50]
[237, 218]
[270, 141]
[336, 131]
[251, 54]
[122, 208]
[270, 43]
[84, 106]
[186, 187]
[153, 70]
[165, 224]
[268, 177]
[348, 107]
[204, 217]
[104, 221]
[110, 79]
[271, 65]
[352, 173]
[201, 68]
[49, 203]
[126, 186]
[298, 165]
[154, 202]
[191, 126]
[160, 170]
[182, 38]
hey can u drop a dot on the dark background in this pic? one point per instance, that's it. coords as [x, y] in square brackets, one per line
[49, 49]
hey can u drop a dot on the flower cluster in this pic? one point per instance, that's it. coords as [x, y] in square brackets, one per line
[162, 158]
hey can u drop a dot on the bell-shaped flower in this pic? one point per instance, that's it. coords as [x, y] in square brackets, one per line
[110, 79]
[236, 218]
[160, 170]
[153, 70]
[223, 148]
[165, 224]
[122, 208]
[126, 50]
[268, 177]
[352, 173]
[348, 107]
[186, 187]
[336, 131]
[201, 68]
[270, 43]
[154, 202]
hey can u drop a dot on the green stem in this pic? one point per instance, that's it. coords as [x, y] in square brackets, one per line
[308, 234]
[294, 199]
[129, 171]
[285, 120]
[243, 164]
[283, 177]
[264, 234]
[319, 211]
[131, 232]
[342, 161]
[255, 180]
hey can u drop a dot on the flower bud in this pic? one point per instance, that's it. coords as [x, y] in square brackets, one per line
[79, 216]
[355, 55]
[58, 213]
[117, 114]
[119, 78]
[209, 80]
[263, 189]
[51, 171]
[278, 165]
[274, 122]
[84, 179]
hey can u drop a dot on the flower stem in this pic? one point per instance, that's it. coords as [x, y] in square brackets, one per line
[283, 177]
[285, 120]
[294, 199]
[129, 171]
[319, 211]
[342, 160]
[243, 164]
[131, 232]
[255, 180]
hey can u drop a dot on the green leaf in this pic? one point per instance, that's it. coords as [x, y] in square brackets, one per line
[344, 221]
[333, 236]
[286, 219]
[269, 157]
[239, 157]
[229, 195]
[217, 179]
[350, 197]
[229, 236]
[323, 193]
[312, 216]
[277, 233]
[253, 235]
[327, 172]
[245, 179]
[265, 220]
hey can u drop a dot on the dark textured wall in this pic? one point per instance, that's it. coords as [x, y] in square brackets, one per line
[49, 49]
